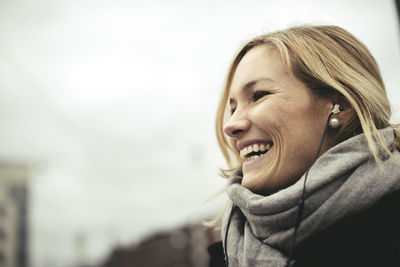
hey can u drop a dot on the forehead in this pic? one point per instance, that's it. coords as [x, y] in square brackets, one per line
[260, 65]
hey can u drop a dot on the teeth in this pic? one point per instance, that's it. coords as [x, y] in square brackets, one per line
[243, 152]
[254, 148]
[252, 158]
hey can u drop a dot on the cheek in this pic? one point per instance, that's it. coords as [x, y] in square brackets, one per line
[278, 119]
[290, 128]
[267, 115]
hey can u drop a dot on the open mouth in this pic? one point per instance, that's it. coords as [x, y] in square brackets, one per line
[255, 151]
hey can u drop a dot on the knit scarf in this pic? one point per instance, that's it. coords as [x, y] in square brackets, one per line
[346, 179]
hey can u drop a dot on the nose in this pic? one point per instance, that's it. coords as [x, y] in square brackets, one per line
[235, 126]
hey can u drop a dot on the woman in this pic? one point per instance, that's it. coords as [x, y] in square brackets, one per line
[313, 159]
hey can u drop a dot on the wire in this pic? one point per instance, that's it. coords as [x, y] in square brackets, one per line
[300, 206]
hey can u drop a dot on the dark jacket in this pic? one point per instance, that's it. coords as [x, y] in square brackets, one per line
[368, 238]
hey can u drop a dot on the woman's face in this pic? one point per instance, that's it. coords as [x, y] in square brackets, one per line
[276, 123]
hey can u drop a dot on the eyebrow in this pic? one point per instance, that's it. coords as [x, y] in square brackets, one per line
[250, 85]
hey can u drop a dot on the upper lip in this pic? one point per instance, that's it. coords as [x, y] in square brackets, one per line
[243, 144]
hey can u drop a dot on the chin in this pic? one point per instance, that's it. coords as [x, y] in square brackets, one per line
[262, 187]
[256, 185]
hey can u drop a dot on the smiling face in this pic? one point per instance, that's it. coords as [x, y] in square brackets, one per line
[276, 123]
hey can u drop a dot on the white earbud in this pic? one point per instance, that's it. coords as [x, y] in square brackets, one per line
[337, 109]
[334, 122]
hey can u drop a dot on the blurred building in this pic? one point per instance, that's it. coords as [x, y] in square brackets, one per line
[182, 247]
[14, 251]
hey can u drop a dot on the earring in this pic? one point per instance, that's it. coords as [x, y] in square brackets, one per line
[334, 123]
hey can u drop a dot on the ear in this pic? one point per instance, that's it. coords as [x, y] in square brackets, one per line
[347, 112]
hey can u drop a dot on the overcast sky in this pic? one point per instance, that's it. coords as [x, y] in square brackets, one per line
[113, 104]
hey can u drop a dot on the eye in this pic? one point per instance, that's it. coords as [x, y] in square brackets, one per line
[259, 94]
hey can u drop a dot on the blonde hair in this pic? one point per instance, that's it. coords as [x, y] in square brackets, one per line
[330, 61]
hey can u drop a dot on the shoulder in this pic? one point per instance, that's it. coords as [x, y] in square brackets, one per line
[368, 238]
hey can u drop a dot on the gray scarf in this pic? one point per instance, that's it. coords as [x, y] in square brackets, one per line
[344, 180]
